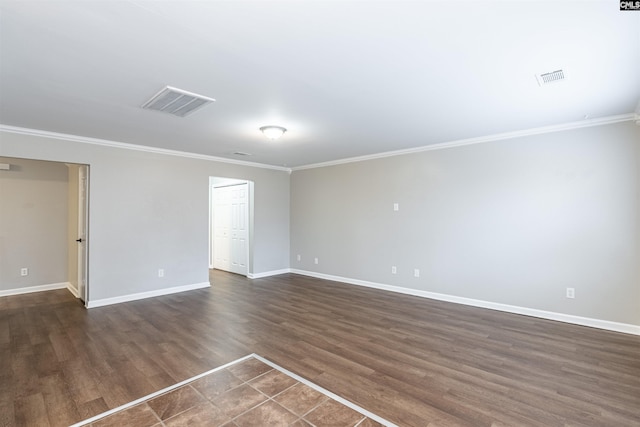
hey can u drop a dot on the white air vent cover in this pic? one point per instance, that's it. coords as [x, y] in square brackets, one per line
[177, 101]
[551, 77]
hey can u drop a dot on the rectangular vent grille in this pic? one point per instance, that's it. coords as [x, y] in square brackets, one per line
[177, 102]
[552, 77]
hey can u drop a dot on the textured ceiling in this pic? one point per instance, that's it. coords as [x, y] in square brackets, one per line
[346, 78]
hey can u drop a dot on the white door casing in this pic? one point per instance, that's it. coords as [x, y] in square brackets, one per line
[83, 187]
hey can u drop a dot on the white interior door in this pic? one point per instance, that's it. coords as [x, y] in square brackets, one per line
[231, 231]
[222, 228]
[83, 187]
[239, 229]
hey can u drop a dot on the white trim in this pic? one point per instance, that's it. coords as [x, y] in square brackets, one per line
[148, 294]
[549, 315]
[135, 147]
[440, 146]
[326, 392]
[478, 140]
[268, 273]
[30, 289]
[157, 393]
[73, 290]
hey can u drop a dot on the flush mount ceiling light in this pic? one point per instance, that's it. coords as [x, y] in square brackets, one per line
[273, 132]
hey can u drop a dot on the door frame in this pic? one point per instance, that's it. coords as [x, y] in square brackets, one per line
[83, 233]
[214, 182]
[78, 219]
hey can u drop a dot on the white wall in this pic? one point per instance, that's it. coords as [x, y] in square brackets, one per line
[513, 222]
[33, 223]
[149, 211]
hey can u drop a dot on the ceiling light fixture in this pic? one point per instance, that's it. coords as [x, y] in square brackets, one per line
[273, 132]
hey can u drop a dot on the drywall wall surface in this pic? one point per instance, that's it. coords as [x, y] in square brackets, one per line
[149, 211]
[513, 222]
[33, 223]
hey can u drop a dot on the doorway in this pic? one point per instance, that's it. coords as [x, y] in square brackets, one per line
[45, 223]
[230, 235]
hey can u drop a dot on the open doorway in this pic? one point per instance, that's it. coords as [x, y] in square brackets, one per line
[231, 225]
[44, 221]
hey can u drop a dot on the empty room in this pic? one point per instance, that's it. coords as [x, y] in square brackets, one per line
[319, 213]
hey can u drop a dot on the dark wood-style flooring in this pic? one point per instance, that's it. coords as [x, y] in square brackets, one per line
[413, 361]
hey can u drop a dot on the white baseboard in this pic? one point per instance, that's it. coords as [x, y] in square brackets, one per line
[143, 295]
[567, 318]
[73, 290]
[268, 273]
[30, 289]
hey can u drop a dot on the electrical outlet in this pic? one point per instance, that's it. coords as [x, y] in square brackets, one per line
[299, 257]
[161, 272]
[394, 270]
[396, 207]
[315, 260]
[416, 272]
[24, 271]
[571, 293]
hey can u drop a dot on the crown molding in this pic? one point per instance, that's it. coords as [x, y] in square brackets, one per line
[440, 146]
[135, 147]
[479, 140]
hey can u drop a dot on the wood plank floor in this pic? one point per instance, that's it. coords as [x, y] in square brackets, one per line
[413, 361]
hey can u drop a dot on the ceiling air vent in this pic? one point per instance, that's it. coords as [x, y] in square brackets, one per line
[177, 101]
[552, 77]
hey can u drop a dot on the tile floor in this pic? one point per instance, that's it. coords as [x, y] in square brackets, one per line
[247, 393]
